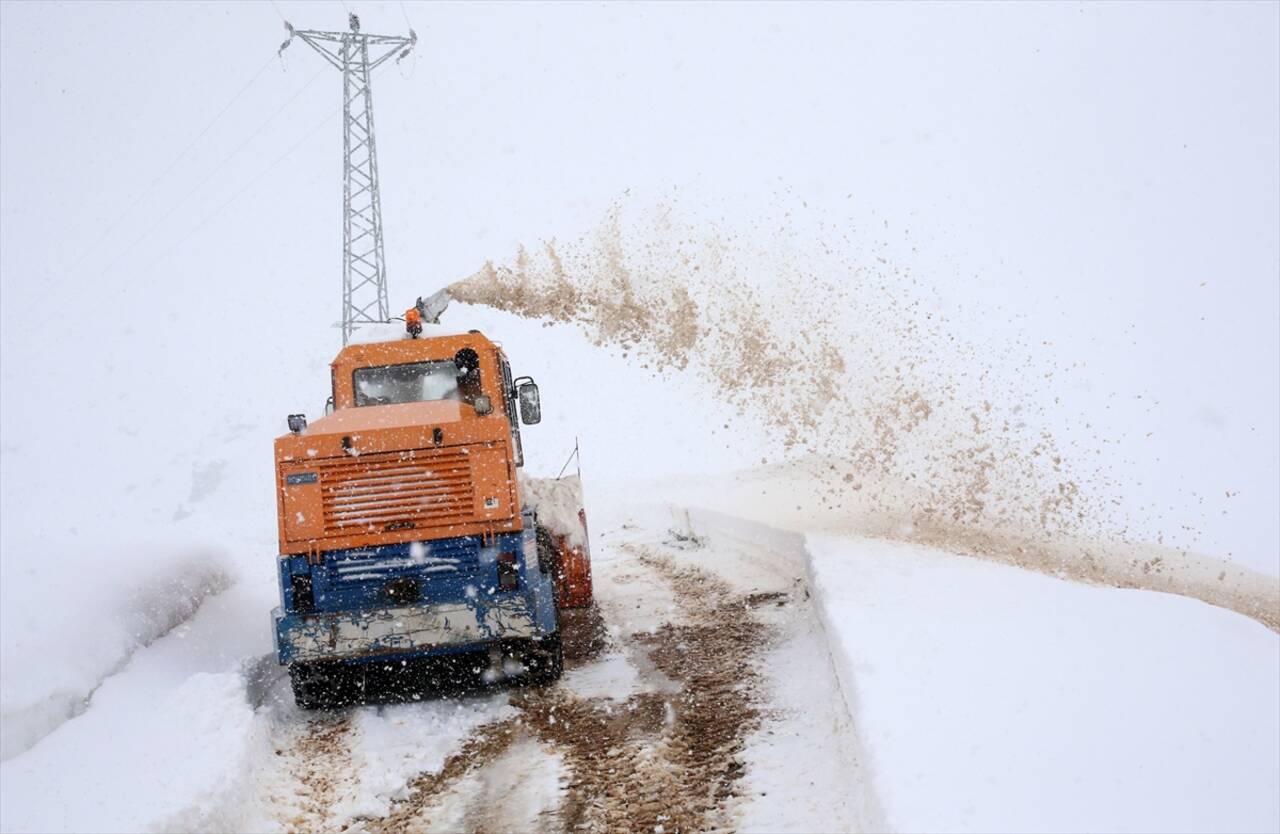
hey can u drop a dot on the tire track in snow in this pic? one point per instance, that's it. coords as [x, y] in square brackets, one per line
[658, 761]
[318, 762]
[486, 745]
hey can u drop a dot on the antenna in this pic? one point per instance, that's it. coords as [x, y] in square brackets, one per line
[364, 270]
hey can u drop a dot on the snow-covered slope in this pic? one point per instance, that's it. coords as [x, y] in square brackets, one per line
[166, 743]
[993, 699]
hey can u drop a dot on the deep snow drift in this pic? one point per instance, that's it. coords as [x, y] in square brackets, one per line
[1017, 702]
[54, 665]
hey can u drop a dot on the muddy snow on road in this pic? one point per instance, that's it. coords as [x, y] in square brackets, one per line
[732, 676]
[699, 695]
[677, 712]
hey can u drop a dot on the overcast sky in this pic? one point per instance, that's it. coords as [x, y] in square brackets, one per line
[1109, 171]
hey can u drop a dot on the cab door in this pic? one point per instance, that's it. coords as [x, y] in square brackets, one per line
[509, 403]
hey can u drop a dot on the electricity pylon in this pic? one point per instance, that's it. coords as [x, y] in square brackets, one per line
[364, 270]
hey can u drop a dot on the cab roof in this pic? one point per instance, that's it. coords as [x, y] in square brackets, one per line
[409, 350]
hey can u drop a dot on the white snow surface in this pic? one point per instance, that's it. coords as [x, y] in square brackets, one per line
[394, 743]
[994, 699]
[168, 743]
[52, 665]
[557, 501]
[521, 784]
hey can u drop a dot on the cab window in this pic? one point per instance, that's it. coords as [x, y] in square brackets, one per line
[417, 382]
[508, 399]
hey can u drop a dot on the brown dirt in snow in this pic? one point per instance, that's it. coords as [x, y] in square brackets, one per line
[1149, 568]
[321, 757]
[846, 356]
[486, 745]
[826, 347]
[669, 759]
[583, 633]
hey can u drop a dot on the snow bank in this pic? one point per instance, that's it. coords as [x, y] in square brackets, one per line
[54, 656]
[557, 502]
[808, 764]
[168, 744]
[994, 699]
[798, 496]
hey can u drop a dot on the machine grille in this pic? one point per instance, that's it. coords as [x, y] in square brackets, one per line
[374, 493]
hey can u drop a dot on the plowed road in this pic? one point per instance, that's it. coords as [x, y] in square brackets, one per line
[698, 696]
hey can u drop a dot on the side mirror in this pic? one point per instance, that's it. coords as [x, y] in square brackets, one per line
[483, 404]
[297, 422]
[530, 405]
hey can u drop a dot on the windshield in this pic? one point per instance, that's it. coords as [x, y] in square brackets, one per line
[409, 383]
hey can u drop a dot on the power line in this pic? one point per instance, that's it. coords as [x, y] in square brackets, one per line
[409, 23]
[146, 191]
[183, 199]
[248, 185]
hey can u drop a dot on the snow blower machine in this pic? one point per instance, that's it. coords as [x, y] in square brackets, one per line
[407, 532]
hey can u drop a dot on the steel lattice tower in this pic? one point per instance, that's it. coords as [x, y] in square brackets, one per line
[364, 271]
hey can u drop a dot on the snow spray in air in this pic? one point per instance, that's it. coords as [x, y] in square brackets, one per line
[898, 420]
